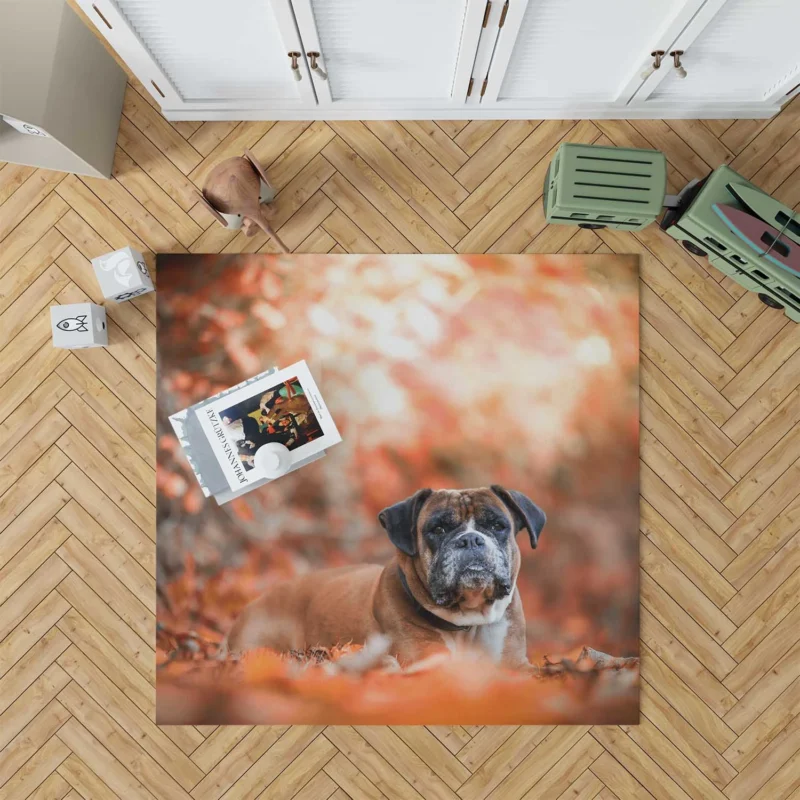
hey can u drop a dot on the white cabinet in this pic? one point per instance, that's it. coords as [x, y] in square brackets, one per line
[744, 52]
[206, 54]
[429, 59]
[385, 55]
[565, 52]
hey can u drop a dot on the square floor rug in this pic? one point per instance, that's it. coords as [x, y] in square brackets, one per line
[457, 539]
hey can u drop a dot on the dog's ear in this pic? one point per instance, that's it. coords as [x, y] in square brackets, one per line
[400, 521]
[525, 512]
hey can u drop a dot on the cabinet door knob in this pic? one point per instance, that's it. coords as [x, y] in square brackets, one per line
[313, 56]
[676, 58]
[657, 56]
[294, 55]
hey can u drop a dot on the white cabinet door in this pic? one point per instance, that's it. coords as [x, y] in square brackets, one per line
[384, 54]
[748, 51]
[208, 54]
[579, 53]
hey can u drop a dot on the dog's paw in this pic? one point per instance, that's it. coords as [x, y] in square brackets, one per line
[373, 655]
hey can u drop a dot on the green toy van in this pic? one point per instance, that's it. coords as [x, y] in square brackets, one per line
[702, 232]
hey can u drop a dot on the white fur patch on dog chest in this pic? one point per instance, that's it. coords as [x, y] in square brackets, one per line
[492, 638]
[489, 638]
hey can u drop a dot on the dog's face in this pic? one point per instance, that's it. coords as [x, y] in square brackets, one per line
[464, 541]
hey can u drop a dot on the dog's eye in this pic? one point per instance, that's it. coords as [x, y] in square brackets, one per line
[497, 526]
[438, 530]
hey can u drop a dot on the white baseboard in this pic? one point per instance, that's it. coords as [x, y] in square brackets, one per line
[378, 112]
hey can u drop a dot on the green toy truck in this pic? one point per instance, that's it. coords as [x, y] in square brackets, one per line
[702, 232]
[597, 187]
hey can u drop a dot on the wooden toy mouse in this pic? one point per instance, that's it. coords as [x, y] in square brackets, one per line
[232, 193]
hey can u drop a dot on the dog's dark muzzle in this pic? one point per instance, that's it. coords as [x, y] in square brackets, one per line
[470, 563]
[471, 542]
[473, 554]
[477, 568]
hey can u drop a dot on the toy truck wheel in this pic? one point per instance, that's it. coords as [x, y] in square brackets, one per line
[592, 226]
[694, 249]
[769, 301]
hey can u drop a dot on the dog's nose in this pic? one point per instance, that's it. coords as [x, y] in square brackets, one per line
[471, 540]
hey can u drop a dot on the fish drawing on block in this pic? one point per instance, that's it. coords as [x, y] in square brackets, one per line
[77, 324]
[764, 239]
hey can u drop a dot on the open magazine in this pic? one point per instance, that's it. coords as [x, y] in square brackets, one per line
[221, 435]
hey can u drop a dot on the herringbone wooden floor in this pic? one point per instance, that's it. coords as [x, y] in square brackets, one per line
[720, 508]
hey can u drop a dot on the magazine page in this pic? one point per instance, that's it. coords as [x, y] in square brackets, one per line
[284, 407]
[226, 495]
[197, 447]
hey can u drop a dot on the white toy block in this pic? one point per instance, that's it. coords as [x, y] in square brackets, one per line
[78, 325]
[122, 274]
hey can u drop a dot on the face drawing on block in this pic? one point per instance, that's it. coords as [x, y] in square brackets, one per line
[120, 265]
[76, 324]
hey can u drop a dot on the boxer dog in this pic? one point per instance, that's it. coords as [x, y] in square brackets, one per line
[450, 584]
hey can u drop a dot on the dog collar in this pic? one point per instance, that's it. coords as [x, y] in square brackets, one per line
[423, 612]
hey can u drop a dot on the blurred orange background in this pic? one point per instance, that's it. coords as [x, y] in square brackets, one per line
[440, 371]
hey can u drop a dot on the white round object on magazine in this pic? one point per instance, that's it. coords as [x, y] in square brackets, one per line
[273, 459]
